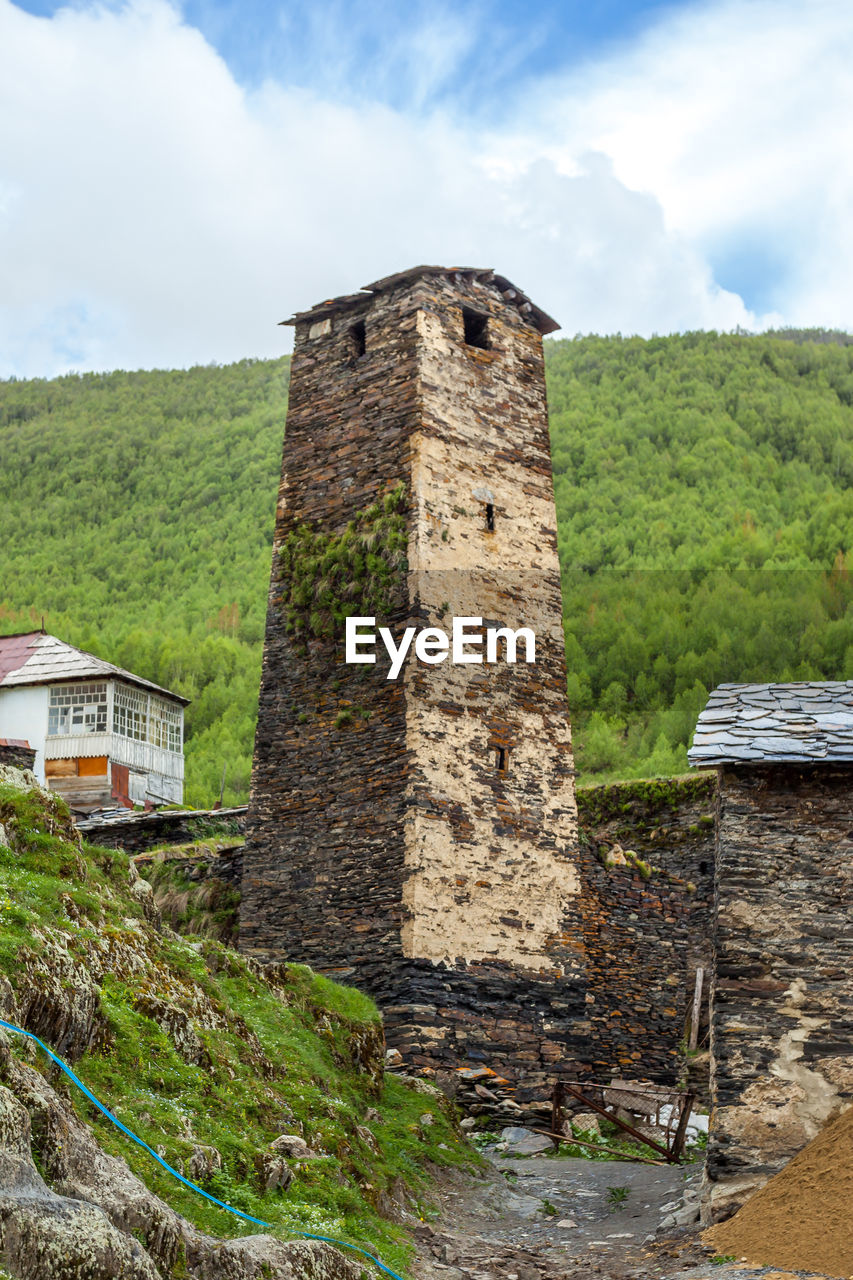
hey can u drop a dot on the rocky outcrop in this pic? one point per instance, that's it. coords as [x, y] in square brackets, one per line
[230, 1072]
[86, 1216]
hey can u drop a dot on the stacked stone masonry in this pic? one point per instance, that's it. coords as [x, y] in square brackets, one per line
[17, 755]
[385, 846]
[418, 837]
[647, 875]
[783, 1000]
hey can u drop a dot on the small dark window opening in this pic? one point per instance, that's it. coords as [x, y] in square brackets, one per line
[502, 760]
[476, 328]
[490, 517]
[703, 868]
[358, 338]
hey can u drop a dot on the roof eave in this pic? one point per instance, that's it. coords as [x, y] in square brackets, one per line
[78, 678]
[351, 301]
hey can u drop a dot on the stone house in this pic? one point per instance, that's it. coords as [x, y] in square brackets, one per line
[782, 1002]
[102, 736]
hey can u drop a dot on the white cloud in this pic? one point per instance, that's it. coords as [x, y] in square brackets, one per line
[153, 212]
[736, 115]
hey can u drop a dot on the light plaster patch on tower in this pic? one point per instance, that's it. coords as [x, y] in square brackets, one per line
[449, 528]
[482, 884]
[474, 893]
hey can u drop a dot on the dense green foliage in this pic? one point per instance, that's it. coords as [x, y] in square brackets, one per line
[285, 1052]
[705, 520]
[704, 506]
[136, 517]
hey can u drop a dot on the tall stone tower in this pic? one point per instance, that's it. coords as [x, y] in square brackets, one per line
[416, 835]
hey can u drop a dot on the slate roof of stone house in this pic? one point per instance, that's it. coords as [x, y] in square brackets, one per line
[485, 275]
[806, 722]
[36, 658]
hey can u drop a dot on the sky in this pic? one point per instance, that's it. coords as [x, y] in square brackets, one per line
[177, 176]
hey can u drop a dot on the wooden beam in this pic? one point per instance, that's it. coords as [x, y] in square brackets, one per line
[697, 1011]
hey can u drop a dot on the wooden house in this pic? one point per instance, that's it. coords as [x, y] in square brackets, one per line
[102, 735]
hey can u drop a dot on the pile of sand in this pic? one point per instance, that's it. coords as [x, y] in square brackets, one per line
[802, 1218]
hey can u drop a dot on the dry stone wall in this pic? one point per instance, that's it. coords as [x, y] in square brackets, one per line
[17, 756]
[323, 871]
[387, 845]
[647, 875]
[783, 1000]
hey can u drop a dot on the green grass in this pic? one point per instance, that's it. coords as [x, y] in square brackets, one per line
[274, 1054]
[208, 907]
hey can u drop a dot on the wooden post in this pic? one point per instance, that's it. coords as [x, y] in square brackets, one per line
[557, 1107]
[697, 1009]
[683, 1121]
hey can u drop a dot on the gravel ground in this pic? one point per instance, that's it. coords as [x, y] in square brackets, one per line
[546, 1218]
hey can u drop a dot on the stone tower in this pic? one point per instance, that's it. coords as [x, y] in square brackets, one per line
[416, 836]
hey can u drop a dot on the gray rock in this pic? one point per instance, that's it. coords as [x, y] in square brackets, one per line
[292, 1146]
[532, 1145]
[586, 1122]
[87, 1226]
[203, 1162]
[527, 1207]
[44, 1234]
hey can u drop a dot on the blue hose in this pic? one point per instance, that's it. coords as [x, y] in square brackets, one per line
[247, 1217]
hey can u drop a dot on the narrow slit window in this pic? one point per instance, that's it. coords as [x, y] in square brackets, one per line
[358, 338]
[476, 328]
[490, 517]
[502, 760]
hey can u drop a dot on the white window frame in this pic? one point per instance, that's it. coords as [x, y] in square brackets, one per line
[77, 710]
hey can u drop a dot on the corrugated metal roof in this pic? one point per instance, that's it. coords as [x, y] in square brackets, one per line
[797, 723]
[48, 660]
[537, 317]
[15, 650]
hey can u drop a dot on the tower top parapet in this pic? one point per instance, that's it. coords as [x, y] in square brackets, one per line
[538, 318]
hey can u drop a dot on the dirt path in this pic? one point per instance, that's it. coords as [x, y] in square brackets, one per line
[546, 1218]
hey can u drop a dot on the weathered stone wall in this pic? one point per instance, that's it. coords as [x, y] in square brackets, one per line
[639, 929]
[783, 999]
[419, 837]
[386, 846]
[646, 909]
[490, 852]
[169, 826]
[641, 941]
[17, 756]
[323, 870]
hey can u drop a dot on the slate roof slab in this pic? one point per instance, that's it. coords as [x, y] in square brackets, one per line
[803, 722]
[36, 658]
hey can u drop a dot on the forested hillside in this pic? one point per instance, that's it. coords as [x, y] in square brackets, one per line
[136, 516]
[705, 521]
[704, 504]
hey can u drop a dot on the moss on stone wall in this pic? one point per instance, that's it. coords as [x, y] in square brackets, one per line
[326, 578]
[641, 802]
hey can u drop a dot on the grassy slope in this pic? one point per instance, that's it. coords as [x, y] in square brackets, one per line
[281, 1054]
[704, 488]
